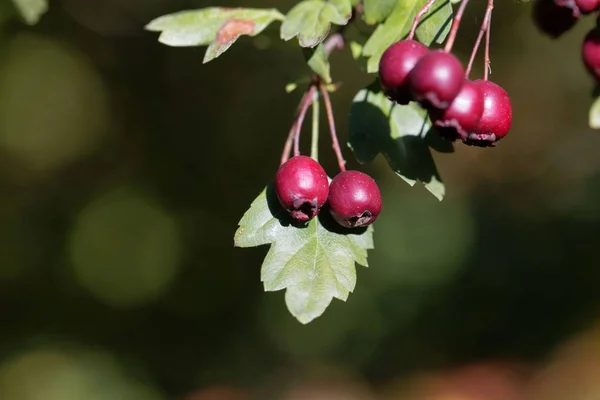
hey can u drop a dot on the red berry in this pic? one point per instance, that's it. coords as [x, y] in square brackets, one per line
[587, 6]
[354, 199]
[463, 115]
[553, 18]
[395, 65]
[436, 79]
[590, 53]
[302, 187]
[496, 120]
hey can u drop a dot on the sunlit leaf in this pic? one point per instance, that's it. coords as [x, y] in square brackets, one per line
[594, 115]
[310, 20]
[314, 263]
[217, 27]
[318, 60]
[377, 10]
[377, 125]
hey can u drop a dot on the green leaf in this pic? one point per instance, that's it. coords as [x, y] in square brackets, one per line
[314, 263]
[318, 61]
[400, 133]
[377, 10]
[310, 20]
[31, 10]
[594, 115]
[217, 27]
[433, 26]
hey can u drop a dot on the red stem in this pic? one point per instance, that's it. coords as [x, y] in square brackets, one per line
[424, 10]
[334, 139]
[304, 104]
[484, 27]
[455, 24]
[487, 62]
[296, 126]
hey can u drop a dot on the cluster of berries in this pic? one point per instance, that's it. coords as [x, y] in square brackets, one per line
[555, 17]
[303, 188]
[477, 112]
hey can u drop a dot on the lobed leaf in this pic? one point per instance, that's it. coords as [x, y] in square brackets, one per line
[314, 263]
[310, 20]
[318, 60]
[433, 27]
[400, 133]
[31, 10]
[217, 27]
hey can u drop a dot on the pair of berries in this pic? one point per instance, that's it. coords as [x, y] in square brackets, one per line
[478, 112]
[303, 188]
[555, 17]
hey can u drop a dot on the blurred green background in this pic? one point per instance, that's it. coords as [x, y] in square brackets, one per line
[125, 166]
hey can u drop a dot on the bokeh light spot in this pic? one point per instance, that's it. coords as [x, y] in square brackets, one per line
[125, 248]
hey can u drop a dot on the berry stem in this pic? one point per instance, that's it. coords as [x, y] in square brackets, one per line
[314, 140]
[334, 139]
[304, 104]
[424, 10]
[482, 30]
[487, 62]
[455, 25]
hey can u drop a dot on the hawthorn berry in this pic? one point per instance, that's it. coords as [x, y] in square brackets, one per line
[496, 120]
[436, 79]
[554, 18]
[590, 53]
[302, 186]
[463, 115]
[354, 199]
[395, 65]
[587, 6]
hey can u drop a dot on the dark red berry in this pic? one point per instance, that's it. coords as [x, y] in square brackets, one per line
[354, 199]
[590, 53]
[463, 115]
[395, 65]
[436, 79]
[587, 6]
[553, 18]
[302, 187]
[496, 120]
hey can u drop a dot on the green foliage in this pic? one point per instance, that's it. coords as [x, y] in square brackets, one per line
[314, 263]
[31, 10]
[318, 60]
[310, 20]
[216, 27]
[378, 125]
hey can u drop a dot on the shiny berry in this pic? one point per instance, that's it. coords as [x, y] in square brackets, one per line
[496, 120]
[587, 6]
[395, 65]
[302, 187]
[354, 199]
[553, 18]
[463, 115]
[590, 53]
[436, 79]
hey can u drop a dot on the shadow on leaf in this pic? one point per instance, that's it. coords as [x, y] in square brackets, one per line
[278, 211]
[329, 223]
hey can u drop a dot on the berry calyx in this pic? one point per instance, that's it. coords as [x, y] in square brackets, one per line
[302, 187]
[395, 65]
[590, 53]
[354, 199]
[587, 6]
[436, 79]
[554, 18]
[496, 120]
[463, 115]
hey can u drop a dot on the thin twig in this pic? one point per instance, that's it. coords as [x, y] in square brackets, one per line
[306, 100]
[424, 10]
[482, 31]
[455, 24]
[487, 61]
[334, 139]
